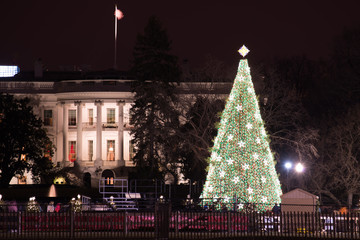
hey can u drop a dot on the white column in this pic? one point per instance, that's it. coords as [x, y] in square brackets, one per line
[58, 132]
[120, 145]
[65, 130]
[79, 131]
[98, 160]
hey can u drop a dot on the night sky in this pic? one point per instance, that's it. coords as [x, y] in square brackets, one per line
[81, 32]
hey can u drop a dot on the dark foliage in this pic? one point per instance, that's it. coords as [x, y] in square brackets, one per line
[153, 114]
[24, 142]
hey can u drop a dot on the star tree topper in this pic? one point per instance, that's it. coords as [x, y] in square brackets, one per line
[243, 51]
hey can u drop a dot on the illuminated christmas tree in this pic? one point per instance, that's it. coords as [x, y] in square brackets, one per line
[242, 168]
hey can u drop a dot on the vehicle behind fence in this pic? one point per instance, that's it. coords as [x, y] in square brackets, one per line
[162, 222]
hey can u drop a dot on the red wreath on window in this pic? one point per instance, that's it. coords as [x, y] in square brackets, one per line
[72, 155]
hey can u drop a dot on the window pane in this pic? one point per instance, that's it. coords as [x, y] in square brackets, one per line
[72, 117]
[91, 116]
[48, 118]
[110, 150]
[110, 115]
[72, 151]
[91, 150]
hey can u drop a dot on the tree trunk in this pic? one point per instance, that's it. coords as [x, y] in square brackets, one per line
[350, 199]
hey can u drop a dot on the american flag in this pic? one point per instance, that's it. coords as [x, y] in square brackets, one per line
[118, 14]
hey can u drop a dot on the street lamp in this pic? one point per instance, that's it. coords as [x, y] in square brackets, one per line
[288, 166]
[299, 168]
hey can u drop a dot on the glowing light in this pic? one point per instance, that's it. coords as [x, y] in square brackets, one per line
[263, 179]
[299, 168]
[236, 179]
[9, 71]
[243, 51]
[238, 108]
[241, 144]
[288, 165]
[246, 166]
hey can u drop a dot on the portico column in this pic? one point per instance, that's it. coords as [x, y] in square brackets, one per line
[65, 130]
[58, 130]
[79, 132]
[120, 145]
[98, 160]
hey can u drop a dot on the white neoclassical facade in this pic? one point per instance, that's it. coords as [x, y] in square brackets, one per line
[86, 119]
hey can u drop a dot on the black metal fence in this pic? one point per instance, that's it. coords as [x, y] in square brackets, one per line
[162, 223]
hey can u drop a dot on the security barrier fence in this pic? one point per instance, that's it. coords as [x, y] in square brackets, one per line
[163, 223]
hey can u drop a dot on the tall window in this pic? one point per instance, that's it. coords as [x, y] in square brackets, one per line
[91, 116]
[110, 150]
[48, 118]
[72, 151]
[91, 149]
[72, 117]
[110, 115]
[131, 150]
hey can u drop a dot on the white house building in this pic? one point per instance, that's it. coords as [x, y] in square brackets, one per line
[87, 118]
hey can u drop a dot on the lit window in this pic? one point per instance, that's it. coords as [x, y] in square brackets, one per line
[48, 118]
[22, 180]
[72, 117]
[111, 115]
[109, 181]
[91, 149]
[110, 150]
[91, 117]
[72, 151]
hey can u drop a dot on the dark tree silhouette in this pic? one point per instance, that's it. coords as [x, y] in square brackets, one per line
[24, 144]
[153, 114]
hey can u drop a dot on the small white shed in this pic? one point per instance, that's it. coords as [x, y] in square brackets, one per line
[298, 200]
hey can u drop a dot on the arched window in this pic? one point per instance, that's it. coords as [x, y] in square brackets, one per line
[108, 175]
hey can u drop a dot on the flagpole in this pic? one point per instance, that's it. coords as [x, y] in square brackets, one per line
[115, 67]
